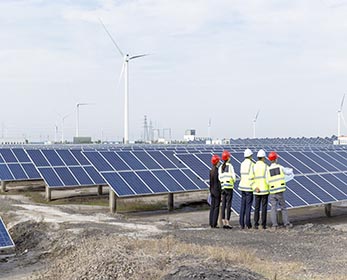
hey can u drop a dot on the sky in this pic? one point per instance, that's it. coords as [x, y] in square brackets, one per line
[218, 60]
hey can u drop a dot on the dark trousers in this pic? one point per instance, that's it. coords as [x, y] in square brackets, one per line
[227, 196]
[214, 210]
[260, 199]
[246, 208]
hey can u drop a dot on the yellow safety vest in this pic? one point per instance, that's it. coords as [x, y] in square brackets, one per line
[260, 169]
[276, 179]
[226, 177]
[247, 176]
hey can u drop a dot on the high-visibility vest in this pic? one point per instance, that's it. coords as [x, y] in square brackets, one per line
[276, 179]
[247, 176]
[227, 176]
[260, 169]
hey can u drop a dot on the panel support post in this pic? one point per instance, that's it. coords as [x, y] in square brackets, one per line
[48, 193]
[170, 202]
[327, 209]
[3, 186]
[113, 201]
[100, 190]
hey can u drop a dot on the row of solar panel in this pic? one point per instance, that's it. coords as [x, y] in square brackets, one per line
[5, 238]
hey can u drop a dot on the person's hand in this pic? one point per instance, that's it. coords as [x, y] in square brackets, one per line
[257, 189]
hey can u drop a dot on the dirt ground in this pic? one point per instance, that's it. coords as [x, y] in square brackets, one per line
[74, 241]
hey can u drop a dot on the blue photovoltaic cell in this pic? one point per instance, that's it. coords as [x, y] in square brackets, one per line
[8, 156]
[195, 164]
[297, 188]
[136, 184]
[152, 181]
[168, 181]
[51, 177]
[315, 189]
[66, 176]
[67, 157]
[81, 175]
[130, 159]
[17, 171]
[147, 160]
[5, 173]
[37, 158]
[31, 171]
[5, 238]
[80, 157]
[95, 175]
[292, 198]
[53, 157]
[328, 187]
[338, 180]
[305, 158]
[201, 184]
[98, 161]
[118, 184]
[116, 162]
[182, 179]
[173, 159]
[21, 155]
[340, 157]
[330, 157]
[298, 166]
[1, 159]
[162, 159]
[322, 162]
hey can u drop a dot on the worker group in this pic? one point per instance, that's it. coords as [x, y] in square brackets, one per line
[259, 182]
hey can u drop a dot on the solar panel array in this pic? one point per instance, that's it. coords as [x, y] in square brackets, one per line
[15, 165]
[320, 176]
[134, 173]
[65, 168]
[5, 238]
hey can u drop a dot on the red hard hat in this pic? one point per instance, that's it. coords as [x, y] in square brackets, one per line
[225, 155]
[215, 159]
[272, 156]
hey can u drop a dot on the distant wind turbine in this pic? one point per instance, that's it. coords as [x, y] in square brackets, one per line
[340, 116]
[125, 68]
[255, 122]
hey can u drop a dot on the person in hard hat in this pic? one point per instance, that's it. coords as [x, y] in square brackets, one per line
[227, 178]
[215, 191]
[260, 189]
[276, 175]
[245, 186]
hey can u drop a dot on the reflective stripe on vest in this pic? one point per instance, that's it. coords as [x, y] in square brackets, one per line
[277, 181]
[260, 169]
[225, 177]
[247, 178]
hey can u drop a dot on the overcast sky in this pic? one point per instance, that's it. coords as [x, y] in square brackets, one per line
[223, 60]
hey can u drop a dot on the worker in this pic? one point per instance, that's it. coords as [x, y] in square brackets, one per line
[227, 178]
[245, 186]
[260, 189]
[277, 185]
[215, 191]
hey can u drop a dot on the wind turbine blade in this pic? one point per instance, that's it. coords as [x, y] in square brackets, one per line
[256, 116]
[113, 41]
[343, 99]
[137, 56]
[121, 74]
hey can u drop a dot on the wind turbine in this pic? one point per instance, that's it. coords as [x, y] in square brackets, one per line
[339, 117]
[125, 68]
[255, 122]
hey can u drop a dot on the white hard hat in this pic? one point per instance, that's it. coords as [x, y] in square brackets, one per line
[261, 153]
[247, 153]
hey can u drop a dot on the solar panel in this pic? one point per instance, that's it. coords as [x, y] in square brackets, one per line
[15, 165]
[320, 176]
[65, 168]
[5, 238]
[131, 173]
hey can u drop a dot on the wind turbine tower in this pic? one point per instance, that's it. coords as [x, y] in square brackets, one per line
[254, 123]
[339, 117]
[125, 69]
